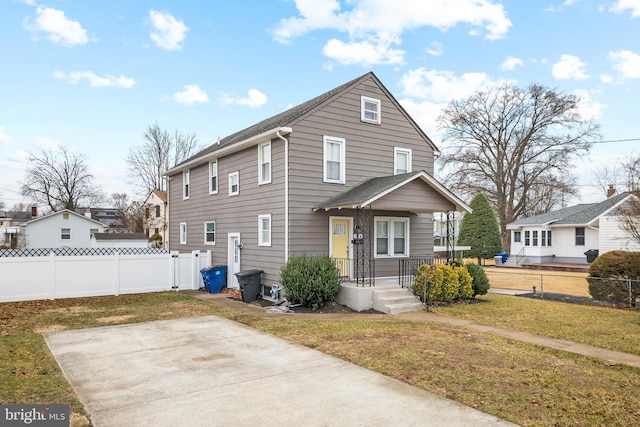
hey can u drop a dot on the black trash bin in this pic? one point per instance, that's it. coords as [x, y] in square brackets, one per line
[250, 284]
[214, 278]
[592, 254]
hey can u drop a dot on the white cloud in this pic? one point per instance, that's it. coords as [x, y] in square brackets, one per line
[622, 5]
[59, 29]
[376, 25]
[434, 49]
[46, 143]
[425, 113]
[588, 108]
[74, 77]
[569, 68]
[510, 63]
[168, 32]
[606, 78]
[254, 99]
[4, 137]
[627, 63]
[442, 86]
[192, 94]
[365, 53]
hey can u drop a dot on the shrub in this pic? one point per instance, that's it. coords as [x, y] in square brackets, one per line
[615, 265]
[480, 283]
[450, 285]
[443, 283]
[428, 283]
[465, 290]
[310, 281]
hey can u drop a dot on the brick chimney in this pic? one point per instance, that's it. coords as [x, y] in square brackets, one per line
[611, 191]
[34, 211]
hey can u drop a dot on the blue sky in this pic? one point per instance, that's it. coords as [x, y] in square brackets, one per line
[92, 75]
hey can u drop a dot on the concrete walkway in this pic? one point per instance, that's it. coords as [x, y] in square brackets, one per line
[210, 371]
[424, 316]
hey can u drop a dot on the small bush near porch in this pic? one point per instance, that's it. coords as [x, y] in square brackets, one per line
[443, 283]
[310, 280]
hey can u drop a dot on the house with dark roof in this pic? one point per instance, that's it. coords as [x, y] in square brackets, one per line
[348, 174]
[566, 235]
[156, 214]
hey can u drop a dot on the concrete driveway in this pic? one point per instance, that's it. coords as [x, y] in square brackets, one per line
[209, 371]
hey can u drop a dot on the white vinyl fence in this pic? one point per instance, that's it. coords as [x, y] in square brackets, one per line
[53, 276]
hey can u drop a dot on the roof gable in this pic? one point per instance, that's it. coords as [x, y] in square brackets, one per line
[53, 214]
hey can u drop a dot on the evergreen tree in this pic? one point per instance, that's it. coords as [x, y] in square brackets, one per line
[480, 230]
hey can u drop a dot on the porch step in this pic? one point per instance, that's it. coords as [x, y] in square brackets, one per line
[394, 300]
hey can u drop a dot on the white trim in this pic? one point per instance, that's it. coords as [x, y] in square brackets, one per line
[232, 280]
[261, 160]
[211, 190]
[237, 175]
[186, 184]
[215, 232]
[262, 242]
[343, 160]
[363, 111]
[400, 150]
[183, 233]
[390, 236]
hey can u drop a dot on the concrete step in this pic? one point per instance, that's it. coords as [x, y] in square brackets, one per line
[394, 300]
[404, 308]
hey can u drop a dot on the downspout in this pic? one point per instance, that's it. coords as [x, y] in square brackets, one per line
[286, 196]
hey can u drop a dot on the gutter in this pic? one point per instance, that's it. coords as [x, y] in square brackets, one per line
[230, 149]
[286, 194]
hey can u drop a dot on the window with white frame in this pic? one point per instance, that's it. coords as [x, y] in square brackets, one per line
[527, 238]
[65, 234]
[210, 233]
[183, 233]
[92, 231]
[264, 230]
[213, 177]
[549, 238]
[334, 160]
[543, 238]
[370, 110]
[517, 236]
[534, 239]
[264, 163]
[580, 236]
[392, 237]
[234, 183]
[186, 183]
[401, 160]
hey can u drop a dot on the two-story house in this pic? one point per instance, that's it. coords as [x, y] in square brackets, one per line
[348, 173]
[156, 213]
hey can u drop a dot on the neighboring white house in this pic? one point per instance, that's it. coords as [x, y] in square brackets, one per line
[119, 240]
[60, 229]
[156, 216]
[567, 234]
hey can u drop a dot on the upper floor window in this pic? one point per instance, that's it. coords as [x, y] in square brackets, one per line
[65, 234]
[579, 236]
[264, 163]
[370, 110]
[264, 230]
[210, 233]
[146, 212]
[213, 177]
[157, 211]
[183, 233]
[186, 183]
[392, 237]
[234, 183]
[401, 160]
[334, 160]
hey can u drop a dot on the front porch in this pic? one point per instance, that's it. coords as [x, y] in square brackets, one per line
[387, 296]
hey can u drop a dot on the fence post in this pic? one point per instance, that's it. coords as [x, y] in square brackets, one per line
[116, 273]
[195, 269]
[174, 268]
[541, 286]
[52, 275]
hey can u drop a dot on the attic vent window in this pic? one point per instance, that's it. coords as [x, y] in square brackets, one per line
[370, 110]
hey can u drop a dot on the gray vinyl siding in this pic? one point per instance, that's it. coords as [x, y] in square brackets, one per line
[233, 213]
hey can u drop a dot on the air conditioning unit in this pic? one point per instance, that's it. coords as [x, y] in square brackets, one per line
[273, 293]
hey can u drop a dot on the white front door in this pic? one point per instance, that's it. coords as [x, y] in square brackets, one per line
[233, 260]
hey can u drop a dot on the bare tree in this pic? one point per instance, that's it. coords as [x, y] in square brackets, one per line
[515, 146]
[159, 152]
[60, 179]
[130, 216]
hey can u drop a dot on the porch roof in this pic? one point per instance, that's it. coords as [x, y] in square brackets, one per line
[378, 193]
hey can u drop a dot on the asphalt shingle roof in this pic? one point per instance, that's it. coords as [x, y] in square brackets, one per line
[573, 215]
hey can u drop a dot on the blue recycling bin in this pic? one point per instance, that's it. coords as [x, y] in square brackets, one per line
[504, 256]
[214, 278]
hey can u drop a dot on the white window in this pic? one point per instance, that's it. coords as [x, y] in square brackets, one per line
[334, 160]
[210, 233]
[213, 177]
[264, 230]
[401, 160]
[234, 183]
[65, 234]
[92, 231]
[392, 237]
[370, 110]
[186, 182]
[183, 233]
[264, 163]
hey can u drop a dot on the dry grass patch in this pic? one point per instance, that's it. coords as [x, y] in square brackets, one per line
[567, 283]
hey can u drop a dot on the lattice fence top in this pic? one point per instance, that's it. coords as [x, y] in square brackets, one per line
[79, 251]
